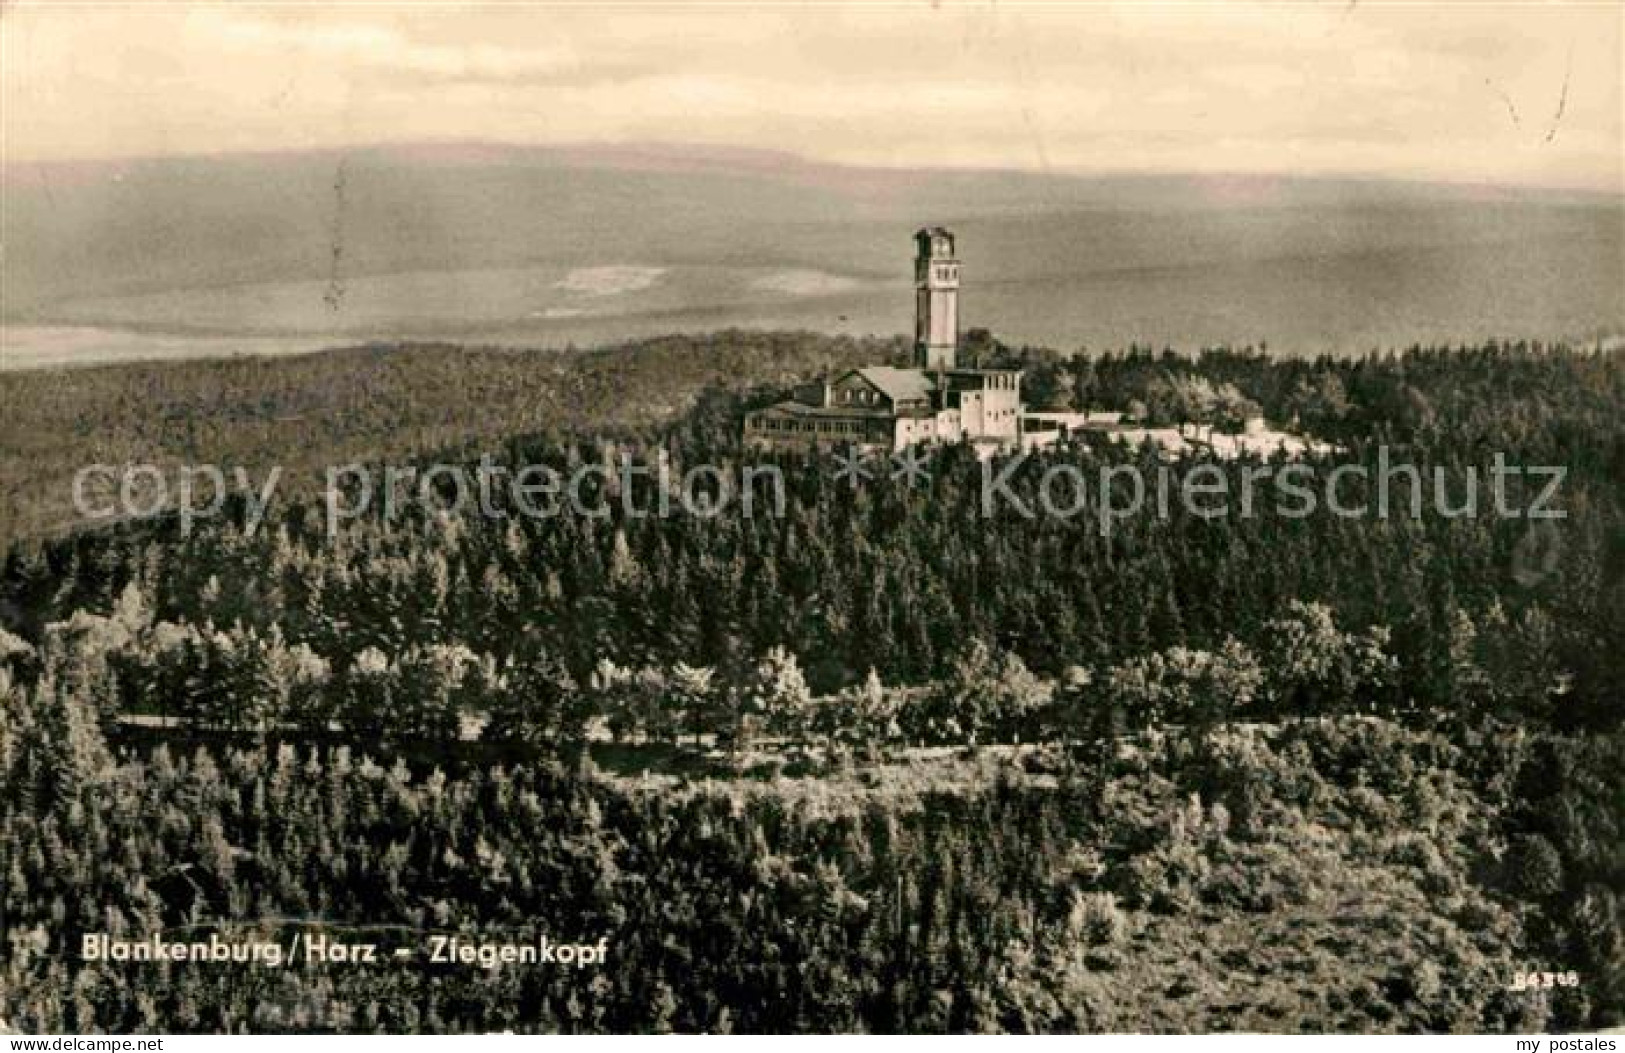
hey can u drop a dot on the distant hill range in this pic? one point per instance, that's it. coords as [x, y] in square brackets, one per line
[520, 245]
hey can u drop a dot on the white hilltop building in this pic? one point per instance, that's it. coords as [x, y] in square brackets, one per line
[1255, 439]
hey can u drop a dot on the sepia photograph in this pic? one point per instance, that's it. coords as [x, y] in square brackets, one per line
[956, 517]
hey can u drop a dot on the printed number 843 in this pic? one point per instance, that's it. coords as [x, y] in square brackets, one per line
[1536, 980]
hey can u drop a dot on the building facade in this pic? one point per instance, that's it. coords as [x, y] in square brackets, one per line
[936, 401]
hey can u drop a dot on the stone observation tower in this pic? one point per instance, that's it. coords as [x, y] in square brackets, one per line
[937, 401]
[936, 310]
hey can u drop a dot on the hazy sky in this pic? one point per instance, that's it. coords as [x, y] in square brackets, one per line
[1508, 93]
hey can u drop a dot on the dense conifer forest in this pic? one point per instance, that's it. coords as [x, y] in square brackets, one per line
[880, 762]
[305, 412]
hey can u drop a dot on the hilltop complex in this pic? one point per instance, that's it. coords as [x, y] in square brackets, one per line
[940, 401]
[936, 401]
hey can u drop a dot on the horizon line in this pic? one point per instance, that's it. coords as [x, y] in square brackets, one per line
[719, 153]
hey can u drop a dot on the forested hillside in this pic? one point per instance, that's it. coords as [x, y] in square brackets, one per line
[1324, 877]
[387, 401]
[881, 762]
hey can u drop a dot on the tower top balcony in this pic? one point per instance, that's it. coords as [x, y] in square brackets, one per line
[934, 243]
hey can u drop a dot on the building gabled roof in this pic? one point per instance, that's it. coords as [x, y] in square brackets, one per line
[899, 385]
